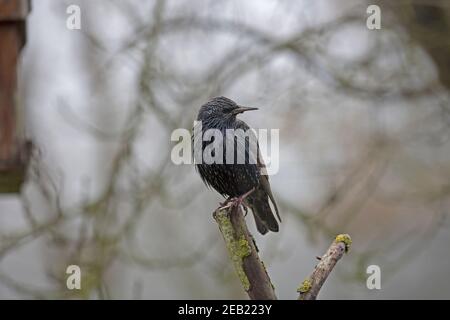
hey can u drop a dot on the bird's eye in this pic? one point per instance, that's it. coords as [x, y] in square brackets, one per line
[228, 109]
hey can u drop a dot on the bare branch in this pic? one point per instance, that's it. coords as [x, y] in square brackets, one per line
[310, 287]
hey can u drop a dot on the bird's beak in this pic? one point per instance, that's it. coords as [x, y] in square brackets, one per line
[242, 109]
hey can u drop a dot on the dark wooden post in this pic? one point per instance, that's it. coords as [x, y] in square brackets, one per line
[13, 148]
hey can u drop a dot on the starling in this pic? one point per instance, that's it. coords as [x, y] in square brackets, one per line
[241, 183]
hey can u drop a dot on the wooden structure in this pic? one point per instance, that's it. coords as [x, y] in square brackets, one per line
[13, 148]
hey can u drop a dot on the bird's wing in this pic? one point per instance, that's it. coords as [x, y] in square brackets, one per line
[264, 182]
[256, 156]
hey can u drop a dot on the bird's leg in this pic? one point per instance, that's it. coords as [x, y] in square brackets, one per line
[237, 201]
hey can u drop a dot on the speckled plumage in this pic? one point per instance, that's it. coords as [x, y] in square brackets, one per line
[234, 180]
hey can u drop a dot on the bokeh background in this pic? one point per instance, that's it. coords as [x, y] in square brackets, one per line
[364, 119]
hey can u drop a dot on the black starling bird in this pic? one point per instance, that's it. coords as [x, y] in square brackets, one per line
[241, 183]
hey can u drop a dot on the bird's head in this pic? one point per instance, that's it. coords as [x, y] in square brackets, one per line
[221, 108]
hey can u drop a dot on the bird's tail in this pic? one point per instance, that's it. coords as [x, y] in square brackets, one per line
[264, 217]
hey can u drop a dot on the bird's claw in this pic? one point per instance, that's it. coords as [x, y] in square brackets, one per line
[222, 204]
[245, 210]
[236, 201]
[230, 203]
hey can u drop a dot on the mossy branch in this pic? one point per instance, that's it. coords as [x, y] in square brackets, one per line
[251, 271]
[244, 254]
[310, 287]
